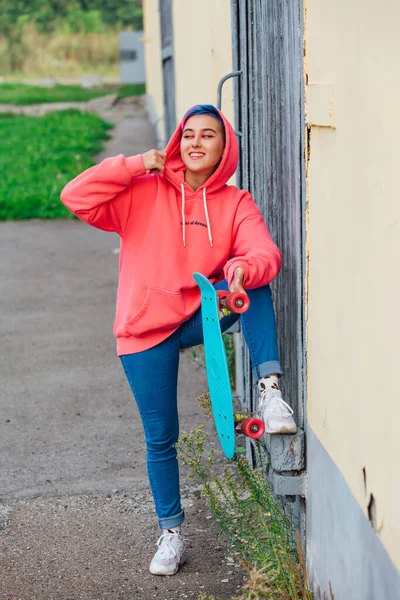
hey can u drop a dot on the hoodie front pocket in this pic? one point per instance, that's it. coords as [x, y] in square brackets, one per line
[161, 310]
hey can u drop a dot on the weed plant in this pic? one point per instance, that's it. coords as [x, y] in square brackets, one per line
[39, 155]
[260, 532]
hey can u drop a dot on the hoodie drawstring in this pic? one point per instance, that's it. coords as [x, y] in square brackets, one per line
[183, 215]
[205, 211]
[207, 217]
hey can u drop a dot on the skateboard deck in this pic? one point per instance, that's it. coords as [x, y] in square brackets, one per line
[217, 366]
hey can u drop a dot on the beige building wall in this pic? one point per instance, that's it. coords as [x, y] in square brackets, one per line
[202, 54]
[154, 79]
[353, 239]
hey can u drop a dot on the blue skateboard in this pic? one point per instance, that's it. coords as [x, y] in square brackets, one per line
[227, 424]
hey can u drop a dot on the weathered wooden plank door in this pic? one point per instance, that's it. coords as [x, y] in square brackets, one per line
[267, 41]
[167, 56]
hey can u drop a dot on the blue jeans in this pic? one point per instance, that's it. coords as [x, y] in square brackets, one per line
[153, 377]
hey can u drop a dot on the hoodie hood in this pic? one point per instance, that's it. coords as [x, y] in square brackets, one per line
[174, 170]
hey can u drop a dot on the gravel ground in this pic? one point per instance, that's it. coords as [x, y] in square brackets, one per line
[89, 547]
[76, 518]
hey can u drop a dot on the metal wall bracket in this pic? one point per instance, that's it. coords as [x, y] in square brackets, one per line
[219, 92]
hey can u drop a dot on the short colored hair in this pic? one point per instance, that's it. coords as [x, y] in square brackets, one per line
[204, 109]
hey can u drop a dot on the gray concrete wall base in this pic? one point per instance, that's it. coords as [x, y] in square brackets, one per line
[289, 485]
[342, 547]
[286, 451]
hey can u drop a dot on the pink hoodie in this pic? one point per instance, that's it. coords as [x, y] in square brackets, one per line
[167, 232]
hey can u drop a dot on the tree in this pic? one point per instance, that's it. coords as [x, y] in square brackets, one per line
[89, 16]
[48, 13]
[125, 12]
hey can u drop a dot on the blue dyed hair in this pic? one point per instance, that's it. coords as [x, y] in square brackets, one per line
[204, 109]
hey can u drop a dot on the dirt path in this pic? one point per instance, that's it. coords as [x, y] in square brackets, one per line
[76, 518]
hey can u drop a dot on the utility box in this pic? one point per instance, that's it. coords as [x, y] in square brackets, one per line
[131, 57]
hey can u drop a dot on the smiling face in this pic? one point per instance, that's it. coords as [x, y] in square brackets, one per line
[202, 145]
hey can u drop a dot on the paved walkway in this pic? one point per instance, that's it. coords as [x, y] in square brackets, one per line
[76, 517]
[108, 107]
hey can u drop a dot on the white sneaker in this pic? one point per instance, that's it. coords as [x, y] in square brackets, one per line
[273, 410]
[169, 556]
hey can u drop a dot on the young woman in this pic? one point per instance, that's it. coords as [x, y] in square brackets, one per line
[175, 215]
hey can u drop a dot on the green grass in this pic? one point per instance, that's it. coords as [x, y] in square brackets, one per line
[132, 89]
[39, 155]
[22, 94]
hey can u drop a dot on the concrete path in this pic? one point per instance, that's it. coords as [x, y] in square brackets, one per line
[76, 517]
[108, 107]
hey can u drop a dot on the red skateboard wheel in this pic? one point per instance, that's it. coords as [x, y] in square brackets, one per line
[234, 301]
[251, 427]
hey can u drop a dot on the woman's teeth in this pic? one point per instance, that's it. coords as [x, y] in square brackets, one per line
[196, 156]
